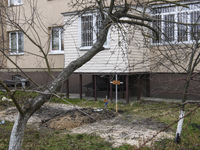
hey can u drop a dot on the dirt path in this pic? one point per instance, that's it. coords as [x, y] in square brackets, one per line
[115, 128]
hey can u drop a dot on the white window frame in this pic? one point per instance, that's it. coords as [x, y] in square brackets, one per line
[176, 13]
[94, 15]
[17, 44]
[61, 38]
[15, 2]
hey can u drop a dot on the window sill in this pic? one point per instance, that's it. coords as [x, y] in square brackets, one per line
[172, 43]
[15, 5]
[88, 48]
[16, 54]
[56, 53]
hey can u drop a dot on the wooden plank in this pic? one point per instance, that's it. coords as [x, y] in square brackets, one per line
[105, 100]
[116, 82]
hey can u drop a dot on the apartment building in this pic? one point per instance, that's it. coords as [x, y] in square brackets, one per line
[34, 32]
[146, 66]
[60, 36]
[125, 55]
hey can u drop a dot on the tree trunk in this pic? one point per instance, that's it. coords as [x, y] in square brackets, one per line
[179, 127]
[182, 113]
[17, 134]
[16, 138]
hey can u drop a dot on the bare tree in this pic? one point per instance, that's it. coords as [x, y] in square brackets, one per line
[177, 51]
[113, 12]
[3, 36]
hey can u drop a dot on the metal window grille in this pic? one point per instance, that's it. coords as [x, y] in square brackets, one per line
[195, 29]
[172, 23]
[158, 26]
[182, 29]
[86, 30]
[169, 28]
[98, 27]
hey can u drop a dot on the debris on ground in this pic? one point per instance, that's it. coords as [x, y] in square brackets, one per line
[6, 99]
[77, 117]
[116, 128]
[2, 122]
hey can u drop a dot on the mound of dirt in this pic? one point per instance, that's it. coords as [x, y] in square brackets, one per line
[76, 117]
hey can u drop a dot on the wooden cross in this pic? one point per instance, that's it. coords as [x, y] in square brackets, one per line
[116, 82]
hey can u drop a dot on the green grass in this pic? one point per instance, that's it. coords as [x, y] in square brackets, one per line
[53, 140]
[158, 111]
[19, 95]
[5, 130]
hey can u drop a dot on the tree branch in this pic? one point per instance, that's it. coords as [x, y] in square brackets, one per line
[12, 97]
[140, 24]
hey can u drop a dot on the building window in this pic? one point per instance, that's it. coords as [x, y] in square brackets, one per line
[14, 2]
[16, 42]
[90, 30]
[86, 30]
[172, 23]
[57, 40]
[195, 29]
[182, 29]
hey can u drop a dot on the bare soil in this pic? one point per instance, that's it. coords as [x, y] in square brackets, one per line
[115, 128]
[76, 117]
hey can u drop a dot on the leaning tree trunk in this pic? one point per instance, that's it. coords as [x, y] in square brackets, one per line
[16, 138]
[17, 134]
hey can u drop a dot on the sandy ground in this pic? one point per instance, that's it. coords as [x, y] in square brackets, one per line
[125, 130]
[115, 128]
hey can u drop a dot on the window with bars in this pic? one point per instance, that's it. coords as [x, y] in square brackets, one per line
[86, 30]
[57, 40]
[14, 2]
[169, 28]
[177, 23]
[195, 29]
[90, 26]
[16, 42]
[182, 29]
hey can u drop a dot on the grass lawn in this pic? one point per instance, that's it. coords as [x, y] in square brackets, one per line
[47, 139]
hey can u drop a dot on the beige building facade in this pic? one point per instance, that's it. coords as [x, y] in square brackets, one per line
[34, 33]
[39, 30]
[139, 61]
[124, 55]
[46, 19]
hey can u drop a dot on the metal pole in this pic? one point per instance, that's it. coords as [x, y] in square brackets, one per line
[80, 85]
[139, 88]
[67, 88]
[127, 89]
[116, 95]
[111, 92]
[95, 87]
